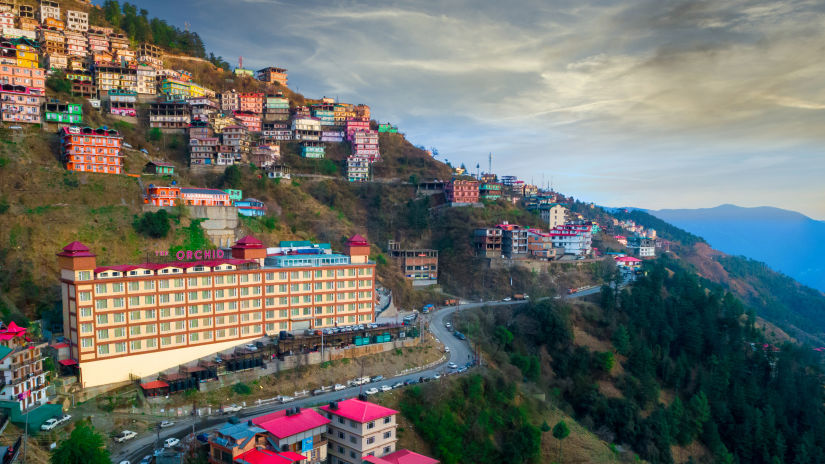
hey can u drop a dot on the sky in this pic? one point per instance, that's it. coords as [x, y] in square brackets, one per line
[650, 103]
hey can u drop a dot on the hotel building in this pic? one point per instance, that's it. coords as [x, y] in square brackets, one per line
[155, 316]
[358, 429]
[91, 150]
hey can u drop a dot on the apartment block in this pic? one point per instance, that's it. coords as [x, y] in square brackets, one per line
[553, 215]
[22, 378]
[250, 120]
[203, 151]
[116, 78]
[513, 240]
[402, 456]
[49, 9]
[365, 145]
[146, 75]
[20, 104]
[461, 191]
[489, 191]
[150, 54]
[251, 102]
[314, 150]
[122, 103]
[297, 430]
[488, 242]
[356, 125]
[91, 150]
[306, 128]
[135, 320]
[77, 20]
[358, 429]
[76, 44]
[171, 116]
[202, 108]
[275, 131]
[230, 101]
[84, 88]
[419, 265]
[358, 169]
[273, 75]
[265, 155]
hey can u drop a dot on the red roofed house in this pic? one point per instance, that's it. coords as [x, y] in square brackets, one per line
[21, 368]
[265, 456]
[402, 456]
[359, 429]
[628, 262]
[298, 431]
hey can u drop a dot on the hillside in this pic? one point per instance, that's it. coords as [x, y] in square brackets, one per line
[787, 241]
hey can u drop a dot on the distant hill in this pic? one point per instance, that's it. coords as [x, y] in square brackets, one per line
[787, 241]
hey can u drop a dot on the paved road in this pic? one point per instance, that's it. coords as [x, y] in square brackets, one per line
[460, 353]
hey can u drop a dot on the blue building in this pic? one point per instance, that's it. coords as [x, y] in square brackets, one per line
[250, 207]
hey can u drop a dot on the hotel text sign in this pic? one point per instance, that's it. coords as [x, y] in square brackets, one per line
[197, 255]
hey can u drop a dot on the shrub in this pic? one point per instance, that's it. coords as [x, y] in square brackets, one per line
[242, 388]
[155, 225]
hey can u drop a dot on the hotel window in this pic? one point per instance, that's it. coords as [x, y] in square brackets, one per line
[85, 296]
[85, 312]
[270, 276]
[118, 302]
[102, 318]
[150, 328]
[149, 299]
[231, 306]
[119, 317]
[193, 337]
[193, 296]
[134, 315]
[230, 279]
[180, 325]
[163, 298]
[282, 276]
[100, 288]
[178, 283]
[134, 301]
[117, 287]
[193, 310]
[193, 282]
[149, 285]
[120, 332]
[165, 326]
[134, 330]
[206, 321]
[165, 312]
[231, 292]
[218, 280]
[86, 328]
[220, 333]
[180, 338]
[164, 284]
[218, 307]
[295, 300]
[180, 311]
[150, 343]
[135, 345]
[102, 334]
[179, 297]
[86, 342]
[206, 281]
[165, 341]
[206, 294]
[103, 349]
[84, 275]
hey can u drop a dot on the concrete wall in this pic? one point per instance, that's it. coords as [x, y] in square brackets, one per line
[220, 225]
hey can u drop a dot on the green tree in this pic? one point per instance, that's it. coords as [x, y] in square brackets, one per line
[232, 177]
[155, 225]
[84, 446]
[545, 427]
[698, 412]
[155, 134]
[604, 361]
[503, 336]
[621, 340]
[560, 432]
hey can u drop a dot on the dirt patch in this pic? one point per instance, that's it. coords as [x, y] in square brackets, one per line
[695, 450]
[582, 338]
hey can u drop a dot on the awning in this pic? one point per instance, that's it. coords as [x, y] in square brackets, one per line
[154, 384]
[68, 362]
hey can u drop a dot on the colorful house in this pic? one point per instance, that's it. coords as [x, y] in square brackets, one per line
[250, 207]
[20, 104]
[489, 191]
[22, 378]
[204, 197]
[273, 75]
[298, 431]
[402, 456]
[372, 427]
[628, 262]
[71, 113]
[92, 150]
[161, 196]
[251, 102]
[358, 169]
[234, 195]
[312, 149]
[461, 191]
[159, 168]
[388, 128]
[250, 120]
[365, 145]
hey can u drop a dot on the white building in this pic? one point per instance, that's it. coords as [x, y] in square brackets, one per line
[358, 169]
[50, 9]
[77, 20]
[575, 239]
[146, 80]
[358, 429]
[553, 215]
[642, 247]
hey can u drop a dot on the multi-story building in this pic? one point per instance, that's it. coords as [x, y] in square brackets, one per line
[540, 245]
[150, 54]
[199, 129]
[365, 145]
[553, 215]
[324, 113]
[77, 20]
[488, 242]
[461, 191]
[387, 128]
[358, 169]
[418, 265]
[402, 456]
[6, 21]
[273, 75]
[489, 191]
[642, 247]
[91, 150]
[250, 120]
[122, 103]
[278, 171]
[297, 430]
[306, 128]
[202, 107]
[362, 112]
[157, 195]
[54, 24]
[203, 151]
[55, 61]
[135, 320]
[358, 429]
[27, 53]
[22, 378]
[84, 88]
[230, 101]
[234, 439]
[20, 104]
[116, 78]
[204, 197]
[98, 39]
[236, 137]
[576, 240]
[343, 112]
[250, 207]
[146, 75]
[513, 240]
[332, 136]
[52, 41]
[251, 102]
[275, 131]
[169, 116]
[76, 44]
[265, 155]
[49, 9]
[314, 150]
[69, 113]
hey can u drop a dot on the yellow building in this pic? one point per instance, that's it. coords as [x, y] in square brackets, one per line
[136, 320]
[27, 56]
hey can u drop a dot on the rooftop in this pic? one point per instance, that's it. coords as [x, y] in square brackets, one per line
[402, 456]
[359, 411]
[282, 426]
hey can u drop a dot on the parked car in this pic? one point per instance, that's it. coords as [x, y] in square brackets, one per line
[461, 369]
[446, 349]
[436, 376]
[146, 459]
[338, 387]
[203, 437]
[125, 435]
[397, 385]
[448, 326]
[285, 399]
[251, 347]
[49, 424]
[170, 442]
[231, 408]
[165, 424]
[125, 462]
[377, 378]
[459, 335]
[452, 365]
[410, 382]
[385, 388]
[371, 391]
[507, 299]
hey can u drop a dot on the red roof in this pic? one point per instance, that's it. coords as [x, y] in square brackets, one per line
[60, 345]
[627, 259]
[248, 242]
[76, 249]
[357, 240]
[360, 411]
[180, 264]
[263, 456]
[292, 455]
[154, 384]
[282, 426]
[68, 362]
[405, 456]
[11, 331]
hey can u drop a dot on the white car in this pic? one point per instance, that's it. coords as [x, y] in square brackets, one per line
[385, 388]
[232, 408]
[446, 349]
[125, 435]
[251, 347]
[338, 387]
[170, 442]
[371, 391]
[285, 399]
[452, 365]
[165, 424]
[49, 424]
[146, 459]
[125, 462]
[507, 299]
[437, 376]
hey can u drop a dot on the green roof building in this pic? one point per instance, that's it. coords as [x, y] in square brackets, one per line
[69, 113]
[234, 194]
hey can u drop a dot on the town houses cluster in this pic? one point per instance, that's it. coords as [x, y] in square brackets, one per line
[131, 82]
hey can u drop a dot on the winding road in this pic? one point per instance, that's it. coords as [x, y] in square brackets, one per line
[460, 353]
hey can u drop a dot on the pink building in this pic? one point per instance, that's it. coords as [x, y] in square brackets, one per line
[252, 121]
[461, 191]
[356, 125]
[251, 102]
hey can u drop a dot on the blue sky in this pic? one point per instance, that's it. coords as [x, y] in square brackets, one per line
[647, 103]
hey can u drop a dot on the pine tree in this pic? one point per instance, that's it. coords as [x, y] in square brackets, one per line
[560, 432]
